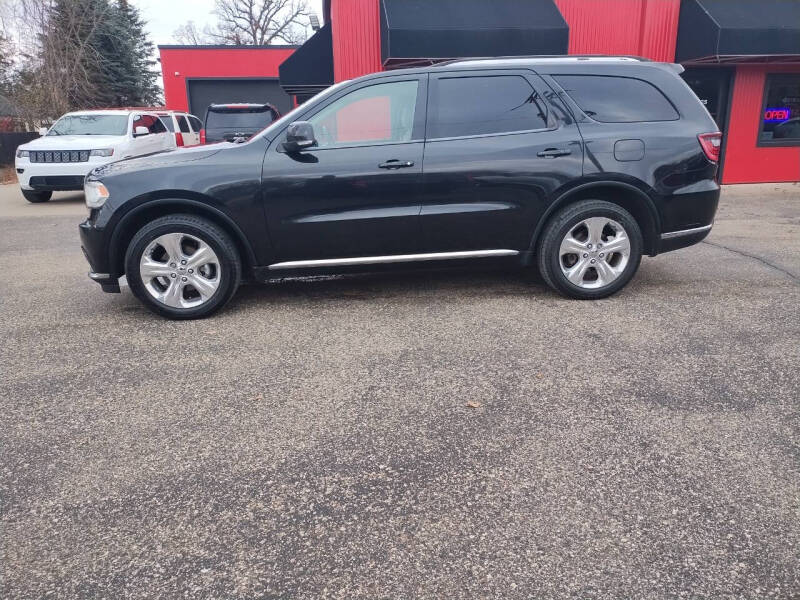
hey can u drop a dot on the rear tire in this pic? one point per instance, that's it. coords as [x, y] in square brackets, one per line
[183, 267]
[36, 197]
[589, 250]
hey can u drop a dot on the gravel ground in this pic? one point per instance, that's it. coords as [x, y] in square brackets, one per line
[421, 435]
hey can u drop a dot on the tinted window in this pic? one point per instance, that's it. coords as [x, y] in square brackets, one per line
[378, 113]
[780, 121]
[167, 120]
[617, 99]
[481, 105]
[183, 124]
[90, 125]
[248, 119]
[196, 124]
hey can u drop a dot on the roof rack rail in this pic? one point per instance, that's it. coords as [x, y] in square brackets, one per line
[550, 57]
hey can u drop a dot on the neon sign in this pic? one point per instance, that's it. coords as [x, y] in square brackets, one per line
[776, 115]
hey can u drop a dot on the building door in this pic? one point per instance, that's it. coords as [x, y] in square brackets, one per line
[713, 87]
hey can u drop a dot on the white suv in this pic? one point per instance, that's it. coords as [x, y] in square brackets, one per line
[184, 127]
[81, 141]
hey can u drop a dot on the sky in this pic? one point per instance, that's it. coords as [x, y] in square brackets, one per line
[165, 16]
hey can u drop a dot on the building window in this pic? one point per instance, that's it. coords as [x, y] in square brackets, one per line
[780, 114]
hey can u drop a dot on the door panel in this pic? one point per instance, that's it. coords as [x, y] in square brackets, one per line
[357, 194]
[487, 189]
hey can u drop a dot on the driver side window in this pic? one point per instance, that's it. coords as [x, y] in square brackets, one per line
[378, 113]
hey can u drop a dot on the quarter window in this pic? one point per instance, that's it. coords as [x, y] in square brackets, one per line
[463, 106]
[378, 113]
[780, 116]
[617, 99]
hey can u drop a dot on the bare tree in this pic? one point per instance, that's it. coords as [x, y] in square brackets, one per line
[189, 34]
[261, 22]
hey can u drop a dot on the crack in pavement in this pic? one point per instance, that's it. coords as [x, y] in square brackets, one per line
[753, 256]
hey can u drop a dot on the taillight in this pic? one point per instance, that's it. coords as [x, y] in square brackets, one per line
[711, 144]
[202, 136]
[179, 139]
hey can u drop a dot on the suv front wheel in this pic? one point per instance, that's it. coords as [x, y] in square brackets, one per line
[590, 250]
[36, 197]
[182, 267]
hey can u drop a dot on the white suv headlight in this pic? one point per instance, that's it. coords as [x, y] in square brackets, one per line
[96, 194]
[102, 152]
[23, 153]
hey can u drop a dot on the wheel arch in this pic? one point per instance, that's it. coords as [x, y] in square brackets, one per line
[623, 194]
[149, 210]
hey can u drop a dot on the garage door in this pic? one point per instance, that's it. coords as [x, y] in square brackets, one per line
[203, 92]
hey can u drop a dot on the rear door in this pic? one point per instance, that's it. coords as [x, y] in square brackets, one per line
[498, 144]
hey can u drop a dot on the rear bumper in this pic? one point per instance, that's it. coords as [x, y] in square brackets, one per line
[674, 240]
[95, 250]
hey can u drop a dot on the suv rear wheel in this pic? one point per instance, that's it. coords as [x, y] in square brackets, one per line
[182, 267]
[590, 250]
[36, 197]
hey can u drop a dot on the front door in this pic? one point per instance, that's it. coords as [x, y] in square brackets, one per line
[499, 143]
[355, 194]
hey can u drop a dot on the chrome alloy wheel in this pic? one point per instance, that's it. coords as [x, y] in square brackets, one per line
[180, 270]
[594, 252]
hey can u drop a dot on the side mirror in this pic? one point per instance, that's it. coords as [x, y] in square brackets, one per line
[299, 136]
[140, 131]
[43, 131]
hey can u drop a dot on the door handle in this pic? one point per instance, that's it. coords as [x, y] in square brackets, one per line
[396, 164]
[553, 152]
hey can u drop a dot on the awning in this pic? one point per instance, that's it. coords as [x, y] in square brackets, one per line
[738, 30]
[418, 31]
[309, 69]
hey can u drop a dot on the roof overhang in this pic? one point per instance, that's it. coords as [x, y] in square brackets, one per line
[735, 31]
[310, 68]
[415, 32]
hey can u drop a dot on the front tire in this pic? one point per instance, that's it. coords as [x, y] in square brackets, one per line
[183, 267]
[590, 250]
[36, 197]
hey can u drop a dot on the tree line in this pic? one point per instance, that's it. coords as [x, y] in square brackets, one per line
[63, 55]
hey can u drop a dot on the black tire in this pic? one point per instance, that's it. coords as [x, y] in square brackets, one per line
[36, 197]
[206, 231]
[564, 221]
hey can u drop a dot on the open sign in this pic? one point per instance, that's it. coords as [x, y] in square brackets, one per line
[776, 114]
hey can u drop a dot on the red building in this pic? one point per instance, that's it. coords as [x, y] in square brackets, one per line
[742, 58]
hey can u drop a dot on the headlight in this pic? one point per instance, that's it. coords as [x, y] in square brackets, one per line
[23, 153]
[96, 194]
[102, 152]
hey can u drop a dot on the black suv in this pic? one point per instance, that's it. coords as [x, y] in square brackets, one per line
[574, 165]
[233, 122]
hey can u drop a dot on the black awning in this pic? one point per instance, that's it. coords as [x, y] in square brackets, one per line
[309, 69]
[712, 30]
[425, 30]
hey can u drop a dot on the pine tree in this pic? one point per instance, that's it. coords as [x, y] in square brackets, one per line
[132, 70]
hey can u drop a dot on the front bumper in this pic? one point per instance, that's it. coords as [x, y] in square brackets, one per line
[54, 176]
[95, 249]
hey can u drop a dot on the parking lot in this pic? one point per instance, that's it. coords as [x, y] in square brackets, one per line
[460, 434]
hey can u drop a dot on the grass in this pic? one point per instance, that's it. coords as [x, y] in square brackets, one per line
[7, 174]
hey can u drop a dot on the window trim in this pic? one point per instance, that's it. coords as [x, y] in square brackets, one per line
[789, 143]
[552, 122]
[417, 131]
[563, 90]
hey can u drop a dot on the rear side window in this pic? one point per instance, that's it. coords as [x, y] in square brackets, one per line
[183, 124]
[482, 105]
[617, 99]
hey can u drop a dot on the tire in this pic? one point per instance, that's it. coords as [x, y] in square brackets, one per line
[589, 273]
[36, 197]
[162, 267]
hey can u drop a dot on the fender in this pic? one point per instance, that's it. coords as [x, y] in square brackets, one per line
[565, 196]
[197, 206]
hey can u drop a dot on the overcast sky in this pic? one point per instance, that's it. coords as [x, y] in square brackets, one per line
[165, 16]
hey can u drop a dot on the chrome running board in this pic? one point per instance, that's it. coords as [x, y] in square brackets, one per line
[394, 258]
[682, 232]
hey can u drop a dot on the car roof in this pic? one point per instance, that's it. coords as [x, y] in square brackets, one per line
[242, 105]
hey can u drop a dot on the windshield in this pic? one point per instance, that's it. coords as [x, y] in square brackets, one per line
[90, 125]
[275, 127]
[254, 118]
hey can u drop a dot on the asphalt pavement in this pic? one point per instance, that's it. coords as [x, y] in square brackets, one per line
[457, 434]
